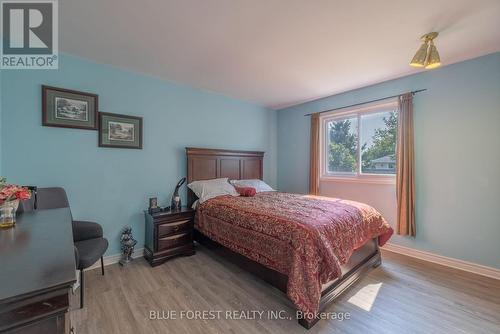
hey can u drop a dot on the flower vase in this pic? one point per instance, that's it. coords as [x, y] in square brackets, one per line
[8, 213]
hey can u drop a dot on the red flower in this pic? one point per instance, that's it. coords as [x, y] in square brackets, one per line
[9, 192]
[23, 194]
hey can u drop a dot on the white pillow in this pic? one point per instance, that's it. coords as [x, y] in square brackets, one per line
[259, 185]
[208, 189]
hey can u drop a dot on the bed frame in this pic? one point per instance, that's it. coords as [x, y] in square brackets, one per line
[206, 164]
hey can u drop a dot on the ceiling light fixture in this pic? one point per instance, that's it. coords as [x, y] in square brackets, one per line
[427, 55]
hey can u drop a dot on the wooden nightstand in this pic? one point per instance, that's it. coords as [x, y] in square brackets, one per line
[168, 234]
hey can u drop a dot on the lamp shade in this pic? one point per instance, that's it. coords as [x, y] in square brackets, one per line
[419, 58]
[433, 59]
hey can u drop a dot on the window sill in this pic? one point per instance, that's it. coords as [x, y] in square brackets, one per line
[362, 180]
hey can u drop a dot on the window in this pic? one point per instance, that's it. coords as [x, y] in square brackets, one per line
[360, 143]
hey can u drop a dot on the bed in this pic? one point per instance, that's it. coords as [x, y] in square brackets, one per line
[287, 240]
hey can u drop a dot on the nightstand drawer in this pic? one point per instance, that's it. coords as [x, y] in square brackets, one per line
[174, 227]
[174, 241]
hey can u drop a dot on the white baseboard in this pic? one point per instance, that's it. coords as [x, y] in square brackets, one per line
[112, 259]
[445, 261]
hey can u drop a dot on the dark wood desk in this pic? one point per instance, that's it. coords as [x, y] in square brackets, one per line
[37, 270]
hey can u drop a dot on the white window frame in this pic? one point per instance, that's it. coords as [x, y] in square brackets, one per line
[358, 176]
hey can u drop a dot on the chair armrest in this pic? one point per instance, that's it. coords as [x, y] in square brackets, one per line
[83, 230]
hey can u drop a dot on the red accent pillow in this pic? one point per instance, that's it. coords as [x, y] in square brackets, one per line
[246, 191]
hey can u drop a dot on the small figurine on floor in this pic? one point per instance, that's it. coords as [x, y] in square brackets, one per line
[128, 243]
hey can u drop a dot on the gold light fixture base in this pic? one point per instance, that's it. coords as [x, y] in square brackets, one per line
[429, 37]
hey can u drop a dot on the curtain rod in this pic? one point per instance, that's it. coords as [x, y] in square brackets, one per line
[376, 100]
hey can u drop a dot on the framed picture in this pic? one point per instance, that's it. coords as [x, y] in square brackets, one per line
[121, 131]
[67, 108]
[153, 203]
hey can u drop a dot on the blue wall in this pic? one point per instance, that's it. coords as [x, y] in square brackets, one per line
[1, 102]
[109, 185]
[457, 147]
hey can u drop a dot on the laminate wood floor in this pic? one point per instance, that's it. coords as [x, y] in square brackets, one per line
[404, 295]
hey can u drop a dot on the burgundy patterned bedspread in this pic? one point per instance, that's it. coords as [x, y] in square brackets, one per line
[304, 237]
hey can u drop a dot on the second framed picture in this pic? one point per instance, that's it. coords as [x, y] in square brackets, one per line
[120, 131]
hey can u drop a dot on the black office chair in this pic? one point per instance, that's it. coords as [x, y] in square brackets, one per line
[87, 236]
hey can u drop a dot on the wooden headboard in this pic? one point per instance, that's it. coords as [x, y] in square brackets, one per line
[206, 164]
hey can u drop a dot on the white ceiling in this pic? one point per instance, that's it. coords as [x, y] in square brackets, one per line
[275, 53]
